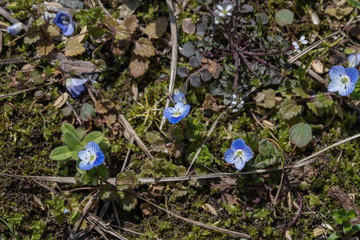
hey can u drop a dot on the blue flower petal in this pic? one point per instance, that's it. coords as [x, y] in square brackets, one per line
[168, 112]
[93, 147]
[185, 111]
[178, 106]
[229, 156]
[84, 165]
[336, 73]
[84, 155]
[334, 86]
[78, 81]
[178, 97]
[239, 164]
[174, 120]
[69, 30]
[353, 74]
[346, 89]
[15, 28]
[247, 154]
[100, 158]
[352, 60]
[238, 144]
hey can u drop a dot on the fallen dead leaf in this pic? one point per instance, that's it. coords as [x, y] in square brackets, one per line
[61, 100]
[210, 209]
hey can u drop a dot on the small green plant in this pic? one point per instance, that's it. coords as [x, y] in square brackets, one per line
[343, 218]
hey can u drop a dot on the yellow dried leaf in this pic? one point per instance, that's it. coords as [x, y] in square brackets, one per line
[156, 28]
[61, 100]
[73, 47]
[53, 30]
[131, 22]
[138, 66]
[144, 48]
[44, 48]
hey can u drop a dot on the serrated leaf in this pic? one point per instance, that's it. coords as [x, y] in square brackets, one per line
[300, 134]
[126, 180]
[138, 66]
[122, 33]
[32, 38]
[322, 100]
[72, 141]
[131, 22]
[144, 48]
[313, 108]
[44, 48]
[300, 92]
[269, 155]
[94, 137]
[156, 28]
[73, 47]
[289, 109]
[284, 17]
[266, 98]
[60, 153]
[128, 202]
[53, 30]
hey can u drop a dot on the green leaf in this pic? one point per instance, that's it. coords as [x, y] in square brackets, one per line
[269, 155]
[334, 236]
[266, 98]
[351, 214]
[289, 109]
[66, 127]
[87, 112]
[337, 216]
[128, 202]
[300, 134]
[72, 141]
[284, 17]
[93, 136]
[323, 101]
[60, 153]
[347, 227]
[126, 180]
[355, 229]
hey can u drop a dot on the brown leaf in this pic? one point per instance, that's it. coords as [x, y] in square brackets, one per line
[188, 26]
[74, 47]
[210, 103]
[44, 48]
[122, 33]
[210, 209]
[138, 66]
[53, 30]
[156, 28]
[144, 48]
[131, 22]
[68, 65]
[99, 108]
[213, 67]
[147, 208]
[32, 38]
[61, 100]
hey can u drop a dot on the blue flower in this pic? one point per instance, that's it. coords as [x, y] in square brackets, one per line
[178, 96]
[64, 21]
[15, 28]
[66, 210]
[239, 154]
[175, 114]
[354, 60]
[343, 80]
[75, 86]
[91, 157]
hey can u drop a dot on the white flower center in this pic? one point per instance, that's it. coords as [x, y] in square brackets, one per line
[239, 153]
[345, 80]
[176, 114]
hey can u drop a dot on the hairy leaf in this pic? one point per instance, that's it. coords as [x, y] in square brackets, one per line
[156, 28]
[74, 47]
[144, 48]
[138, 66]
[289, 109]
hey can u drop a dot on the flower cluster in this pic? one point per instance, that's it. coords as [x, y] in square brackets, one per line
[296, 45]
[65, 22]
[222, 12]
[179, 111]
[91, 157]
[75, 86]
[343, 80]
[239, 153]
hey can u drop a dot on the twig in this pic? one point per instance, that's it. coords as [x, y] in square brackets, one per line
[23, 91]
[9, 17]
[222, 230]
[297, 214]
[174, 53]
